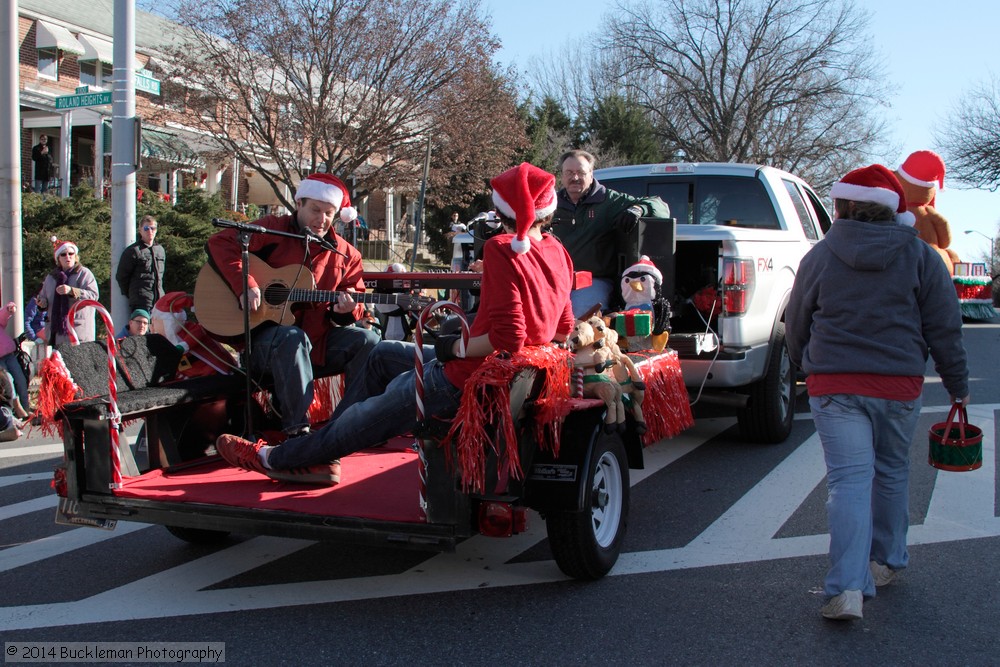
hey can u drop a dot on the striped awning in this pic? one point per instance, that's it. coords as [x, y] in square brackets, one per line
[164, 146]
[169, 147]
[52, 36]
[95, 48]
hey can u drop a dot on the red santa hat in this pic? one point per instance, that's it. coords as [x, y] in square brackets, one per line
[59, 246]
[924, 169]
[875, 184]
[330, 189]
[645, 265]
[524, 193]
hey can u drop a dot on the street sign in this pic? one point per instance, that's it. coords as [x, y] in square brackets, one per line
[82, 89]
[147, 84]
[84, 100]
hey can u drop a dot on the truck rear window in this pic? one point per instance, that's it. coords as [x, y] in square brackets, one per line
[707, 200]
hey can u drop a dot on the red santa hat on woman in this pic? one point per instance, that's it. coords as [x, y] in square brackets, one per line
[330, 189]
[924, 169]
[875, 184]
[59, 247]
[524, 193]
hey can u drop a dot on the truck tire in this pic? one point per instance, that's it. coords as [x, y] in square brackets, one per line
[198, 535]
[768, 415]
[586, 544]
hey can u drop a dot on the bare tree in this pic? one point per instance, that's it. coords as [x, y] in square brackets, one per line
[971, 139]
[791, 83]
[353, 87]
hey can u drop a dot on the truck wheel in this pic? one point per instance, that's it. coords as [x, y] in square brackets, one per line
[586, 544]
[198, 535]
[768, 415]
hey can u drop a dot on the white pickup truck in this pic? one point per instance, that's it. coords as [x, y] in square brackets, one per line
[728, 265]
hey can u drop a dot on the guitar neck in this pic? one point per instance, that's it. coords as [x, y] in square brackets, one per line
[315, 295]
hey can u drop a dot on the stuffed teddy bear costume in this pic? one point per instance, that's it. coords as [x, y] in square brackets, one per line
[921, 175]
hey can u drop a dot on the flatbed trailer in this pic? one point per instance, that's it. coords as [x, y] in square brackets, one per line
[409, 492]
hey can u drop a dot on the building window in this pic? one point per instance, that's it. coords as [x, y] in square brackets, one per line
[88, 72]
[107, 75]
[48, 63]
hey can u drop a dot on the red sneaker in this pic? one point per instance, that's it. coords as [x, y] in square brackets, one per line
[241, 453]
[323, 474]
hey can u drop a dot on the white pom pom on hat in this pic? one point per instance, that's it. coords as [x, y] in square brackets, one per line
[524, 193]
[875, 184]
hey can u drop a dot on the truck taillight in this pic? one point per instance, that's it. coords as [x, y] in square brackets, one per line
[737, 284]
[502, 519]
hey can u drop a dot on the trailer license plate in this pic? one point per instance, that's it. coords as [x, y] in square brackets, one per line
[68, 514]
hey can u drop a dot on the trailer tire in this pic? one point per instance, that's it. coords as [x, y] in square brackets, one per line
[586, 544]
[198, 535]
[771, 407]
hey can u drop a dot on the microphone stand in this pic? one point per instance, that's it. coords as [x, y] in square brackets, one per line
[243, 232]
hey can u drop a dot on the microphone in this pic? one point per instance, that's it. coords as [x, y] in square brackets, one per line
[240, 226]
[310, 235]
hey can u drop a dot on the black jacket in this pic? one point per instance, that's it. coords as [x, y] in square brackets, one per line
[140, 274]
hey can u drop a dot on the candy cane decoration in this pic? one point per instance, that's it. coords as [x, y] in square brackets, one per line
[116, 417]
[418, 366]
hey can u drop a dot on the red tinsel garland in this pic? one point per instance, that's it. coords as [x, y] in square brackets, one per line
[56, 389]
[486, 403]
[666, 407]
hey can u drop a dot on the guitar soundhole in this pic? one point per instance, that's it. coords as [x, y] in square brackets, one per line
[276, 294]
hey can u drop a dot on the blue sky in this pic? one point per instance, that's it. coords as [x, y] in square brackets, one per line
[933, 51]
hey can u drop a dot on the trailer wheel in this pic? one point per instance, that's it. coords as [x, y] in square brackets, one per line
[586, 544]
[769, 412]
[198, 535]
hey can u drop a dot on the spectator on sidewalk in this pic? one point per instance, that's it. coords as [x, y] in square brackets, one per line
[42, 157]
[69, 283]
[141, 266]
[137, 325]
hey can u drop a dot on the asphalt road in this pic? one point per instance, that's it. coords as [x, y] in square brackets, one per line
[723, 564]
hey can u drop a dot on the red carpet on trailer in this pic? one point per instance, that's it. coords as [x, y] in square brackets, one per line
[378, 483]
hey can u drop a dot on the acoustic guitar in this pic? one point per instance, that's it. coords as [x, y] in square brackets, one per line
[218, 309]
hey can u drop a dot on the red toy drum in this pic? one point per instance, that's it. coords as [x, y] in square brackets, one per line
[956, 445]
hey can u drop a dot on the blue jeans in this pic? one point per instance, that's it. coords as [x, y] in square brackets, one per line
[866, 444]
[283, 353]
[375, 409]
[17, 375]
[387, 360]
[586, 298]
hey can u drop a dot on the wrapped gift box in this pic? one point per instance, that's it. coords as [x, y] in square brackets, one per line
[633, 323]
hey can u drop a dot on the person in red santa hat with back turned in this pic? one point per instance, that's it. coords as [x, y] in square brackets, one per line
[525, 289]
[322, 338]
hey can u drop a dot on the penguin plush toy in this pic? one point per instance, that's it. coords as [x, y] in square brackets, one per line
[640, 285]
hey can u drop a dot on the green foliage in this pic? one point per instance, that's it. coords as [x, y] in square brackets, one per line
[620, 126]
[182, 231]
[86, 221]
[550, 132]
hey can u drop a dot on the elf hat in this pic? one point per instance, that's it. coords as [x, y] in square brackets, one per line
[330, 189]
[645, 265]
[875, 184]
[59, 246]
[524, 193]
